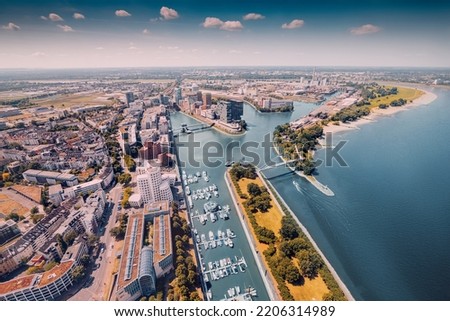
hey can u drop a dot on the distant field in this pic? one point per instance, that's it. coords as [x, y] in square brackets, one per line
[71, 100]
[8, 206]
[405, 93]
[12, 95]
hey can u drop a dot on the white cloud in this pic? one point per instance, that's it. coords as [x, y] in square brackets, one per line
[78, 16]
[65, 28]
[234, 51]
[11, 27]
[212, 22]
[122, 13]
[296, 23]
[172, 47]
[256, 52]
[55, 17]
[253, 16]
[132, 48]
[364, 30]
[145, 31]
[38, 54]
[99, 48]
[168, 13]
[44, 18]
[232, 26]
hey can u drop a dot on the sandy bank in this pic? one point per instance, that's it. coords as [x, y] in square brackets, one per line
[377, 113]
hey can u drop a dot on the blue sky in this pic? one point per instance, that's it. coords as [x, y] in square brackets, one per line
[68, 34]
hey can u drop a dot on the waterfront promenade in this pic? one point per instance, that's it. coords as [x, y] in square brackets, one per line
[269, 283]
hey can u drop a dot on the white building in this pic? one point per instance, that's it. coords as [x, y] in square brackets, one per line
[84, 188]
[151, 186]
[135, 200]
[56, 193]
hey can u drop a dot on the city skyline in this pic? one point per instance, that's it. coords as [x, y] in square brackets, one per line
[79, 34]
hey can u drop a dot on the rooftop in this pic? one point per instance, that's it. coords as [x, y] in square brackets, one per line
[162, 240]
[17, 284]
[129, 263]
[55, 273]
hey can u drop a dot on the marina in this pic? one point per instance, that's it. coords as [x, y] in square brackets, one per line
[222, 268]
[206, 210]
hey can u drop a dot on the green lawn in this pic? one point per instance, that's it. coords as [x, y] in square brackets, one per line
[405, 93]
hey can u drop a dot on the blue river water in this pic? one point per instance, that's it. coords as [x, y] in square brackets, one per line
[387, 229]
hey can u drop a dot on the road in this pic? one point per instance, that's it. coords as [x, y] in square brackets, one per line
[99, 278]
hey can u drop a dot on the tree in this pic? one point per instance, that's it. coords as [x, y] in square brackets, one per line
[34, 210]
[92, 239]
[70, 237]
[194, 296]
[310, 263]
[293, 275]
[78, 273]
[192, 277]
[289, 228]
[253, 189]
[117, 232]
[85, 259]
[5, 176]
[13, 216]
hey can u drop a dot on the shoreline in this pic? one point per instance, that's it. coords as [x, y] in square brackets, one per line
[222, 131]
[270, 288]
[310, 178]
[333, 272]
[376, 113]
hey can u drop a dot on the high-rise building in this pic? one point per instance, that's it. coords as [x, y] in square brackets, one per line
[207, 100]
[129, 97]
[231, 111]
[199, 96]
[151, 186]
[177, 96]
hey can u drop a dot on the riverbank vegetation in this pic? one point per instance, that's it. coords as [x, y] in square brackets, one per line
[295, 265]
[297, 145]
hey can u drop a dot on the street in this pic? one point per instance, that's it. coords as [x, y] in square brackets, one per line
[94, 290]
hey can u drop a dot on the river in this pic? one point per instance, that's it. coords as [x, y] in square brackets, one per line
[387, 230]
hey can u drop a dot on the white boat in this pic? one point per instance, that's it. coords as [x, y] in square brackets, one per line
[213, 244]
[230, 233]
[230, 243]
[202, 219]
[219, 242]
[231, 292]
[209, 294]
[216, 193]
[198, 174]
[211, 235]
[188, 190]
[213, 217]
[205, 277]
[219, 234]
[203, 238]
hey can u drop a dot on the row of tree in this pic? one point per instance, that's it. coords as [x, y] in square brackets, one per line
[185, 269]
[294, 244]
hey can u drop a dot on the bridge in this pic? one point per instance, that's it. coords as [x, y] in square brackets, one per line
[276, 165]
[184, 129]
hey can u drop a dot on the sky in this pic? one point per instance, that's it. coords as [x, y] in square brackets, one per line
[153, 33]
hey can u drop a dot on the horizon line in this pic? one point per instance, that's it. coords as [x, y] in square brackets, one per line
[227, 66]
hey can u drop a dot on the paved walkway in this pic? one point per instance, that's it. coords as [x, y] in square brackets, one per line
[270, 287]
